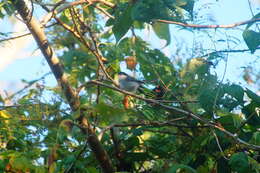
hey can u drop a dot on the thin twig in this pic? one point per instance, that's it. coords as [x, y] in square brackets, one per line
[209, 26]
[27, 86]
[223, 77]
[227, 51]
[185, 133]
[104, 12]
[94, 51]
[155, 124]
[219, 146]
[251, 10]
[15, 37]
[22, 35]
[151, 123]
[64, 5]
[176, 101]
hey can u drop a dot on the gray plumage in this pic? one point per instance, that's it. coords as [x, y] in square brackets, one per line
[128, 83]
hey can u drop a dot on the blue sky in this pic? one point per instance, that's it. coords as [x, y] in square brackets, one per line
[28, 64]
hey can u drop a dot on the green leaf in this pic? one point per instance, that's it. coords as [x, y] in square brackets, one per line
[178, 167]
[40, 169]
[20, 163]
[252, 39]
[69, 159]
[110, 22]
[222, 166]
[3, 164]
[195, 66]
[92, 170]
[228, 123]
[154, 63]
[254, 164]
[234, 117]
[251, 114]
[253, 96]
[189, 6]
[1, 99]
[255, 17]
[207, 98]
[235, 91]
[62, 134]
[198, 161]
[1, 14]
[162, 31]
[172, 3]
[147, 10]
[135, 157]
[132, 142]
[53, 168]
[237, 120]
[109, 113]
[256, 138]
[137, 131]
[8, 8]
[239, 162]
[122, 23]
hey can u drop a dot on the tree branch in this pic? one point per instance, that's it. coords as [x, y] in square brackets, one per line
[63, 5]
[27, 86]
[219, 146]
[210, 26]
[194, 116]
[15, 37]
[95, 51]
[70, 94]
[159, 124]
[227, 51]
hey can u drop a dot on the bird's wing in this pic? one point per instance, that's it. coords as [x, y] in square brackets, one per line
[134, 80]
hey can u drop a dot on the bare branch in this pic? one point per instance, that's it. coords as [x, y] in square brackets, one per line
[176, 101]
[210, 26]
[15, 37]
[151, 123]
[27, 86]
[63, 5]
[219, 146]
[227, 51]
[155, 124]
[104, 12]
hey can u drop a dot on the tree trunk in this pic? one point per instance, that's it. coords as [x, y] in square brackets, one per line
[37, 31]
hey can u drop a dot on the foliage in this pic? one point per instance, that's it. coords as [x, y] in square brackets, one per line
[40, 133]
[252, 38]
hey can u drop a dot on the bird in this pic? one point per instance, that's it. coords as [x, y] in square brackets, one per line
[159, 91]
[129, 83]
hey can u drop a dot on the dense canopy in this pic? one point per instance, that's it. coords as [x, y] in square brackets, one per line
[187, 118]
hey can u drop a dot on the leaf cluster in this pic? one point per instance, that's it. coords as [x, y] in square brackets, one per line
[42, 134]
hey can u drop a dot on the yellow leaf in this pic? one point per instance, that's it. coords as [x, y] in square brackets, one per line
[4, 114]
